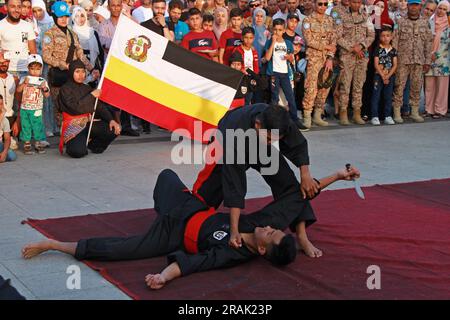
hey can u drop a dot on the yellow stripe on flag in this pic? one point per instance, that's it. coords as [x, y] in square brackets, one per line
[173, 97]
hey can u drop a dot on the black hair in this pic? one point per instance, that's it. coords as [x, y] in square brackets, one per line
[236, 12]
[208, 18]
[283, 253]
[275, 117]
[278, 22]
[176, 4]
[248, 30]
[386, 28]
[156, 1]
[194, 12]
[235, 57]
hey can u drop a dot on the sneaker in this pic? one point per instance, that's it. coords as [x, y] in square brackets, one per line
[301, 127]
[389, 120]
[50, 134]
[13, 145]
[375, 121]
[45, 143]
[39, 147]
[27, 148]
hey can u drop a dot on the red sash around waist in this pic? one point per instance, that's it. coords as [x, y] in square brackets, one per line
[192, 229]
[71, 127]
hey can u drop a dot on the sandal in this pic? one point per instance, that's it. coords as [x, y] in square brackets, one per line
[27, 148]
[436, 116]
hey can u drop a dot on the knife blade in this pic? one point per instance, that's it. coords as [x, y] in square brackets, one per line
[356, 185]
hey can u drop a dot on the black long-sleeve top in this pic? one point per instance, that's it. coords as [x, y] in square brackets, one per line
[293, 146]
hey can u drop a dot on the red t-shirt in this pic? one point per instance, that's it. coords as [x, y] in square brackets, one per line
[229, 40]
[198, 41]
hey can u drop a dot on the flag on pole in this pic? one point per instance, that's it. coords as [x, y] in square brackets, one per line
[154, 79]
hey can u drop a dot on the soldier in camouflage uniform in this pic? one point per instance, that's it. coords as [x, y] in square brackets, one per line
[338, 11]
[55, 48]
[320, 37]
[355, 34]
[413, 41]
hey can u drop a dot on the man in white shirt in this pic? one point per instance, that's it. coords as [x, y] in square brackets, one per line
[8, 84]
[144, 12]
[17, 38]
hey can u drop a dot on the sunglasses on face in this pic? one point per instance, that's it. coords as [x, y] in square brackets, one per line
[322, 4]
[254, 5]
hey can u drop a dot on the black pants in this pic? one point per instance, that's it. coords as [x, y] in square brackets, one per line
[281, 183]
[173, 204]
[125, 120]
[8, 292]
[101, 136]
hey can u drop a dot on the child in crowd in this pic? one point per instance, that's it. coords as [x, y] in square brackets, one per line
[250, 83]
[6, 154]
[280, 54]
[200, 41]
[208, 22]
[250, 56]
[385, 61]
[232, 37]
[33, 89]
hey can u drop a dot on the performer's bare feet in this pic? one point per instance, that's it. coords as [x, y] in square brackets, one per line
[308, 248]
[33, 249]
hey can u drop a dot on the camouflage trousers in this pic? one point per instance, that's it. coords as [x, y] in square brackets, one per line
[314, 97]
[415, 73]
[352, 77]
[56, 110]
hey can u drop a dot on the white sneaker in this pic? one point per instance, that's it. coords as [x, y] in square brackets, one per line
[13, 145]
[375, 121]
[44, 143]
[389, 120]
[49, 134]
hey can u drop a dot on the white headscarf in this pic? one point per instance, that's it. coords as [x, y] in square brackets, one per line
[46, 20]
[85, 34]
[104, 12]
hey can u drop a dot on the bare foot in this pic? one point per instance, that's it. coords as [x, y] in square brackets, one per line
[307, 247]
[33, 249]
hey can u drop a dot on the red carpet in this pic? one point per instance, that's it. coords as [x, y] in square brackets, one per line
[402, 228]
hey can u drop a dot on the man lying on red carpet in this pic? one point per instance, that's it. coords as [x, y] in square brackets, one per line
[194, 237]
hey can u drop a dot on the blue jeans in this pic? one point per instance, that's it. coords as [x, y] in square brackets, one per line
[282, 80]
[11, 154]
[387, 89]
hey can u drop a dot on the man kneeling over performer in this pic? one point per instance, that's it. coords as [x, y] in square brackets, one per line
[195, 238]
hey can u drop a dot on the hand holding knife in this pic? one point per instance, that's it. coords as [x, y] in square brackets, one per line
[358, 189]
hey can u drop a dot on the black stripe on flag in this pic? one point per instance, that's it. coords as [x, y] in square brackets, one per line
[206, 68]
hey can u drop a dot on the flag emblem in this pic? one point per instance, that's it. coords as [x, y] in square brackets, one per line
[137, 48]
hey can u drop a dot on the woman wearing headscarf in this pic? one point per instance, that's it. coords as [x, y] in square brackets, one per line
[41, 21]
[88, 37]
[88, 6]
[77, 103]
[220, 21]
[261, 31]
[437, 79]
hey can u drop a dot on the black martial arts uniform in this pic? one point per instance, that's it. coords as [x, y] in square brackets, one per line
[175, 205]
[228, 182]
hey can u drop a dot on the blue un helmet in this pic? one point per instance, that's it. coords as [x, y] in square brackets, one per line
[61, 9]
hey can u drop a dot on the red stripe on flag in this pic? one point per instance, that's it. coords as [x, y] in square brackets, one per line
[152, 111]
